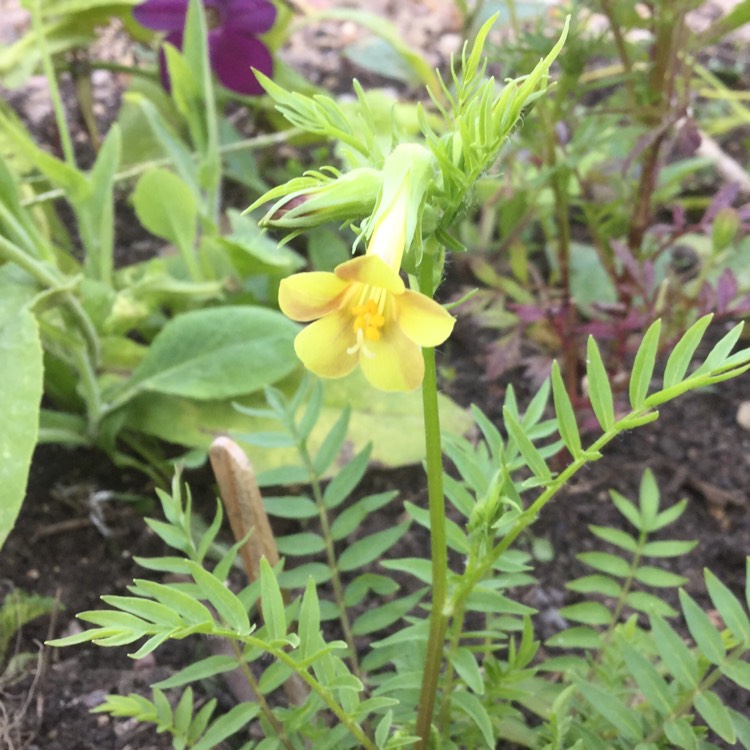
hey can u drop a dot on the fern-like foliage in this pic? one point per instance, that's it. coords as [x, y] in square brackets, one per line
[503, 483]
[624, 678]
[638, 683]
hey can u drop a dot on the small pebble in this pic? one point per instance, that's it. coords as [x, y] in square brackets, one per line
[743, 415]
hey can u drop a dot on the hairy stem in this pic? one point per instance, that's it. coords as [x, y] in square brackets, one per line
[439, 550]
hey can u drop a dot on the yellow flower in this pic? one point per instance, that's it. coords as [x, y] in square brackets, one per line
[364, 314]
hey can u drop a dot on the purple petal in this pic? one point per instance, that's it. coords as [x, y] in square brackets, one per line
[250, 17]
[232, 56]
[161, 15]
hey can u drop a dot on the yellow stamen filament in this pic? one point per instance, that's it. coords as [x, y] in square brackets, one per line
[368, 322]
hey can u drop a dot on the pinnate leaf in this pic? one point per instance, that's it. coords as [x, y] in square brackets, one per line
[706, 636]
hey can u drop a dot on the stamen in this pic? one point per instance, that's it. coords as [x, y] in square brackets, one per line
[368, 319]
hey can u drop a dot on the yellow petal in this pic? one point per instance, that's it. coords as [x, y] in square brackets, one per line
[371, 270]
[422, 319]
[322, 346]
[396, 363]
[307, 296]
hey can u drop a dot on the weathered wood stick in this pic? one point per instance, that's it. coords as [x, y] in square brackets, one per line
[243, 502]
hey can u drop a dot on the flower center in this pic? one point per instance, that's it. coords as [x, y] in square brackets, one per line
[368, 321]
[214, 17]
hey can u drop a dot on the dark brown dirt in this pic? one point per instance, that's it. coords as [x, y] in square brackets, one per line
[696, 450]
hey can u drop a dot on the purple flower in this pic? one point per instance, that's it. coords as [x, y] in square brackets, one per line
[233, 26]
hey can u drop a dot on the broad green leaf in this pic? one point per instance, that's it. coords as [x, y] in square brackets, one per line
[651, 683]
[218, 353]
[681, 734]
[738, 671]
[615, 536]
[96, 212]
[668, 548]
[228, 606]
[475, 710]
[296, 578]
[626, 508]
[675, 654]
[17, 290]
[304, 543]
[378, 618]
[669, 515]
[333, 442]
[588, 613]
[200, 720]
[737, 15]
[595, 584]
[146, 609]
[309, 622]
[730, 609]
[643, 366]
[199, 670]
[642, 601]
[290, 506]
[349, 519]
[269, 439]
[716, 715]
[455, 536]
[706, 636]
[366, 550]
[606, 562]
[485, 599]
[166, 207]
[20, 397]
[465, 664]
[741, 727]
[272, 603]
[312, 412]
[183, 713]
[491, 434]
[179, 154]
[620, 716]
[536, 408]
[528, 450]
[344, 482]
[419, 567]
[600, 392]
[658, 578]
[228, 724]
[721, 350]
[187, 606]
[682, 354]
[577, 637]
[566, 417]
[649, 497]
[378, 584]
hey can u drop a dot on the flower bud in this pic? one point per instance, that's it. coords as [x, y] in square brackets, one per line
[318, 198]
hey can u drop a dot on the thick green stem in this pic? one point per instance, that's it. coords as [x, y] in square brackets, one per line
[436, 498]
